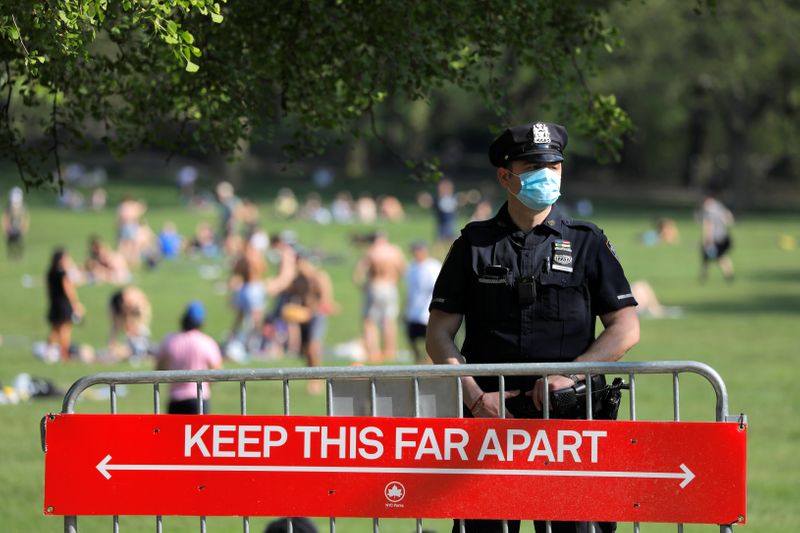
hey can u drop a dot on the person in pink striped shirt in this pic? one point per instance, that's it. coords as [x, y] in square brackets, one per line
[191, 349]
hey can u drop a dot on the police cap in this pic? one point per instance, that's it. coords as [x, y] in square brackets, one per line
[541, 142]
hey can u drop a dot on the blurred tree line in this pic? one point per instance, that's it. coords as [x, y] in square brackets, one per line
[714, 100]
[712, 95]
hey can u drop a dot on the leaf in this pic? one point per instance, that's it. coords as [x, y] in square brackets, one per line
[187, 37]
[192, 67]
[216, 17]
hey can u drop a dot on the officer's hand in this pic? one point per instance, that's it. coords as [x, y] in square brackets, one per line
[489, 405]
[555, 382]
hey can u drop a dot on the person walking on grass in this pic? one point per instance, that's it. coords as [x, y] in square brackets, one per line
[716, 220]
[64, 306]
[190, 349]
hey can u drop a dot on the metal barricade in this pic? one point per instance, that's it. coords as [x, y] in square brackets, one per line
[398, 391]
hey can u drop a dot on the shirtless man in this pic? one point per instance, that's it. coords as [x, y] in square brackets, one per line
[379, 271]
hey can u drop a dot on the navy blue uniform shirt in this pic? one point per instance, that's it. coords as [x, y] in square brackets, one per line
[530, 297]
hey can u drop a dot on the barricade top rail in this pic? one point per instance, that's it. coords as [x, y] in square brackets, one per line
[410, 371]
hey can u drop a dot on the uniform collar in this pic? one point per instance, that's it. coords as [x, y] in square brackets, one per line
[552, 224]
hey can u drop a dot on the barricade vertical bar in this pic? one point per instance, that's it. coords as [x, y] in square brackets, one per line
[632, 382]
[373, 399]
[200, 411]
[548, 527]
[416, 397]
[460, 398]
[113, 395]
[460, 411]
[676, 407]
[501, 379]
[588, 379]
[502, 389]
[589, 413]
[546, 397]
[328, 411]
[329, 398]
[70, 524]
[373, 410]
[676, 401]
[243, 409]
[157, 410]
[286, 406]
[416, 415]
[286, 394]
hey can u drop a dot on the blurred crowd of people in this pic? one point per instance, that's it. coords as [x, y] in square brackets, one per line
[280, 295]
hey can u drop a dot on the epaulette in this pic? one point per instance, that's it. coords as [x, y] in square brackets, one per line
[582, 224]
[491, 223]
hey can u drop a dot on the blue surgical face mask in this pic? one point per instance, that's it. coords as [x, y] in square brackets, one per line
[540, 188]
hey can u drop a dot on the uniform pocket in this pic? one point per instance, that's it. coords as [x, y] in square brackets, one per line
[562, 297]
[496, 301]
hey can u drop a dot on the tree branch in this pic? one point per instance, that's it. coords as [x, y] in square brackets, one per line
[19, 33]
[581, 79]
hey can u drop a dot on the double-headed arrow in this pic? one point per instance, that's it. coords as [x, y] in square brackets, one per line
[686, 475]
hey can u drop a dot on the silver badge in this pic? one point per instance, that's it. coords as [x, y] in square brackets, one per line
[541, 135]
[562, 262]
[563, 259]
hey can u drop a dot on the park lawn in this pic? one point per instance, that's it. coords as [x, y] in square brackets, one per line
[745, 331]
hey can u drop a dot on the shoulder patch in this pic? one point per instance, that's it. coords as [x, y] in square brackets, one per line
[612, 249]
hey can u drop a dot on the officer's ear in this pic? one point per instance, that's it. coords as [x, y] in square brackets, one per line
[503, 176]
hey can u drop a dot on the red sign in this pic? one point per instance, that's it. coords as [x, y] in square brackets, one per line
[226, 465]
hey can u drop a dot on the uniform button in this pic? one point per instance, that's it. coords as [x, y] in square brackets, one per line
[563, 282]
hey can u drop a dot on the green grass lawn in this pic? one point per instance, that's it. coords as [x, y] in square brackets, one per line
[747, 331]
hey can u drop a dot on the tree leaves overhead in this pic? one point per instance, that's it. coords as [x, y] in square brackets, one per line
[191, 74]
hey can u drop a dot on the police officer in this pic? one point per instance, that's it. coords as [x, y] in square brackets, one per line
[529, 284]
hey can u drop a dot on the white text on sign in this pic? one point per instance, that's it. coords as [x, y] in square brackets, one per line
[370, 443]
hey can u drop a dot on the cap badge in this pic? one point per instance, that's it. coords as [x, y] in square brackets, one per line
[540, 133]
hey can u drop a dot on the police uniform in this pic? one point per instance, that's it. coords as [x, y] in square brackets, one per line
[529, 296]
